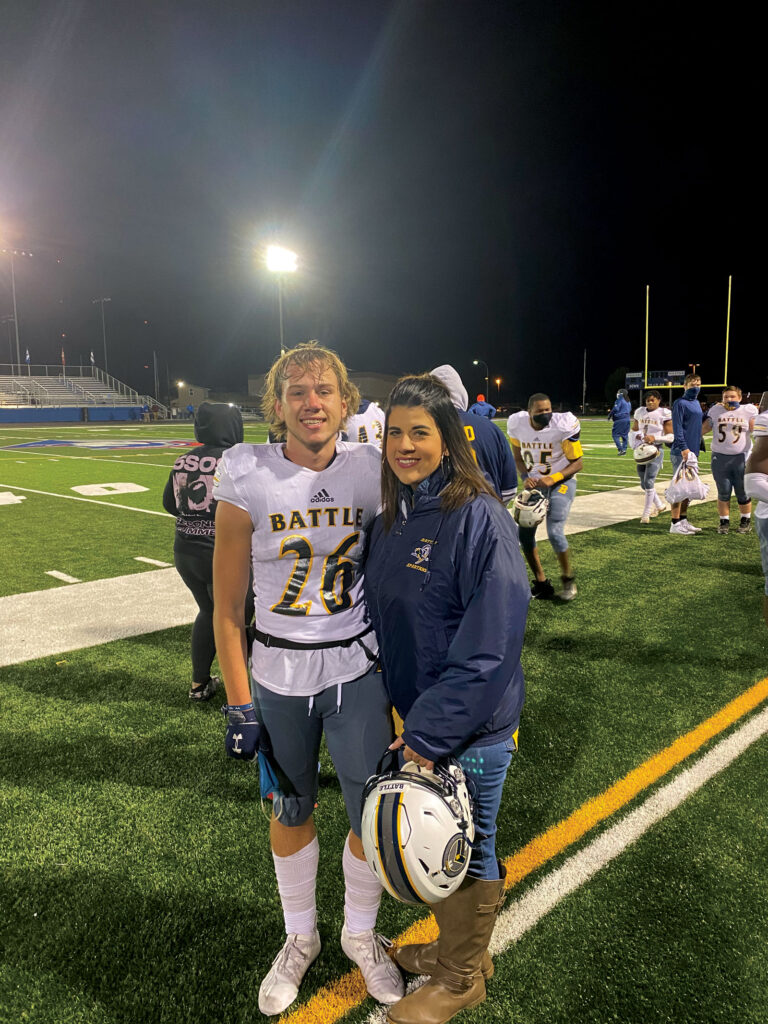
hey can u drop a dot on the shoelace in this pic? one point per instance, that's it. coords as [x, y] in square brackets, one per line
[379, 945]
[291, 947]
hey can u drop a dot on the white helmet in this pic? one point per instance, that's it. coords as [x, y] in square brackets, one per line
[530, 508]
[417, 830]
[645, 453]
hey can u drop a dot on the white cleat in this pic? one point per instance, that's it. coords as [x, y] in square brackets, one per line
[679, 527]
[690, 528]
[281, 985]
[646, 517]
[569, 590]
[382, 976]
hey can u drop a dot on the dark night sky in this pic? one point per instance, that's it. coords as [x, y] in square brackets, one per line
[461, 180]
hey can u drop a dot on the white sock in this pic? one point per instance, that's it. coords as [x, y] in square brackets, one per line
[648, 502]
[746, 515]
[296, 877]
[657, 500]
[362, 893]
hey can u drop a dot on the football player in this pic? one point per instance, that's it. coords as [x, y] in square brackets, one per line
[686, 426]
[548, 455]
[367, 424]
[652, 424]
[756, 485]
[489, 446]
[731, 426]
[300, 509]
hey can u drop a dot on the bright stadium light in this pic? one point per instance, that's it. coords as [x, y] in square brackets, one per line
[478, 362]
[281, 261]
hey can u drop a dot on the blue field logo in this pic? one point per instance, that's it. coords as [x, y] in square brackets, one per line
[103, 445]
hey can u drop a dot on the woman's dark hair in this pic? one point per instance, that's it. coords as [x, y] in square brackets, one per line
[465, 480]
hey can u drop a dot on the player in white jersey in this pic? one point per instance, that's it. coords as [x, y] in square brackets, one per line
[651, 424]
[756, 484]
[299, 511]
[367, 424]
[548, 455]
[731, 425]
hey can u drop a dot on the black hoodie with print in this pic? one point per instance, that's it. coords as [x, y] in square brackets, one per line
[188, 494]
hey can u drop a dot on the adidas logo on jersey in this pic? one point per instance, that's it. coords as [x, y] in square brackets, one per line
[322, 495]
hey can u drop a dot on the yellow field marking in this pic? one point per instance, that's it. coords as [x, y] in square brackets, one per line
[331, 1003]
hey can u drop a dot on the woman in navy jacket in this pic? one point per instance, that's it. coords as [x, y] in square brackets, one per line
[448, 594]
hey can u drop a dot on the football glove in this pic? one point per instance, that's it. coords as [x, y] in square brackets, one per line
[241, 739]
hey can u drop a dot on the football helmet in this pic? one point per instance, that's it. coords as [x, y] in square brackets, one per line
[530, 508]
[645, 453]
[417, 830]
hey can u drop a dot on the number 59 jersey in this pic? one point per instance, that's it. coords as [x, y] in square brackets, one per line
[309, 533]
[550, 449]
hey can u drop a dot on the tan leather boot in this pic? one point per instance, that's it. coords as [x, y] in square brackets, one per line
[466, 922]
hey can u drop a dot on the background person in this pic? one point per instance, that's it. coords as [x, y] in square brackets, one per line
[653, 423]
[620, 414]
[548, 455]
[686, 426]
[731, 426]
[482, 408]
[448, 594]
[188, 495]
[756, 485]
[489, 446]
[300, 510]
[367, 424]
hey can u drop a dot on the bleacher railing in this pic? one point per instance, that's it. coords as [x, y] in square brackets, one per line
[83, 385]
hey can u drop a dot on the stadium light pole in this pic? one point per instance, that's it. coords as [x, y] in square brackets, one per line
[498, 388]
[11, 253]
[477, 362]
[281, 261]
[8, 320]
[103, 328]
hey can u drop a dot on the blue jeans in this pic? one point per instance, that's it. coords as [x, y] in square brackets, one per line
[649, 471]
[560, 500]
[620, 434]
[486, 769]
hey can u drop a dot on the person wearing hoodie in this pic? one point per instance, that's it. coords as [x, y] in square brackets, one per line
[687, 418]
[483, 408]
[621, 414]
[448, 595]
[188, 495]
[489, 446]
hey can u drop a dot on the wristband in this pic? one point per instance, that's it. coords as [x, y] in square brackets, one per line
[240, 707]
[557, 477]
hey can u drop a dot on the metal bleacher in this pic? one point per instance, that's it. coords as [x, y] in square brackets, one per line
[57, 387]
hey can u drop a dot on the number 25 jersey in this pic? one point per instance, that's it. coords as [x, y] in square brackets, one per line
[550, 449]
[309, 532]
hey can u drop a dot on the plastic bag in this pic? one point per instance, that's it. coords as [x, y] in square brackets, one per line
[686, 484]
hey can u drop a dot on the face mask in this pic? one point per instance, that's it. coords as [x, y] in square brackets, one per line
[731, 405]
[542, 419]
[691, 393]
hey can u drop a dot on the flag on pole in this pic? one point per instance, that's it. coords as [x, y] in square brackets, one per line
[26, 358]
[93, 361]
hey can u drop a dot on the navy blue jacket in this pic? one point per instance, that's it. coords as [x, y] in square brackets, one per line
[621, 411]
[494, 456]
[448, 596]
[686, 423]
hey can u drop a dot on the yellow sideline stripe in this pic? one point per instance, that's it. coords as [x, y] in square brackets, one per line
[331, 1003]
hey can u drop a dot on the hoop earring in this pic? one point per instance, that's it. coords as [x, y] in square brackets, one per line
[445, 464]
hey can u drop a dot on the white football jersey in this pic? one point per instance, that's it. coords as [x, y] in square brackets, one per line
[652, 423]
[309, 532]
[550, 449]
[730, 429]
[760, 429]
[367, 426]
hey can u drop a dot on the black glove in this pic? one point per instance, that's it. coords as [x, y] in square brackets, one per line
[243, 733]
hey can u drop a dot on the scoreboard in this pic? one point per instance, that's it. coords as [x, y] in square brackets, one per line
[656, 379]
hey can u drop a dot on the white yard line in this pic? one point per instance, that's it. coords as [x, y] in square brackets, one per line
[92, 501]
[96, 458]
[526, 912]
[62, 576]
[48, 622]
[152, 561]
